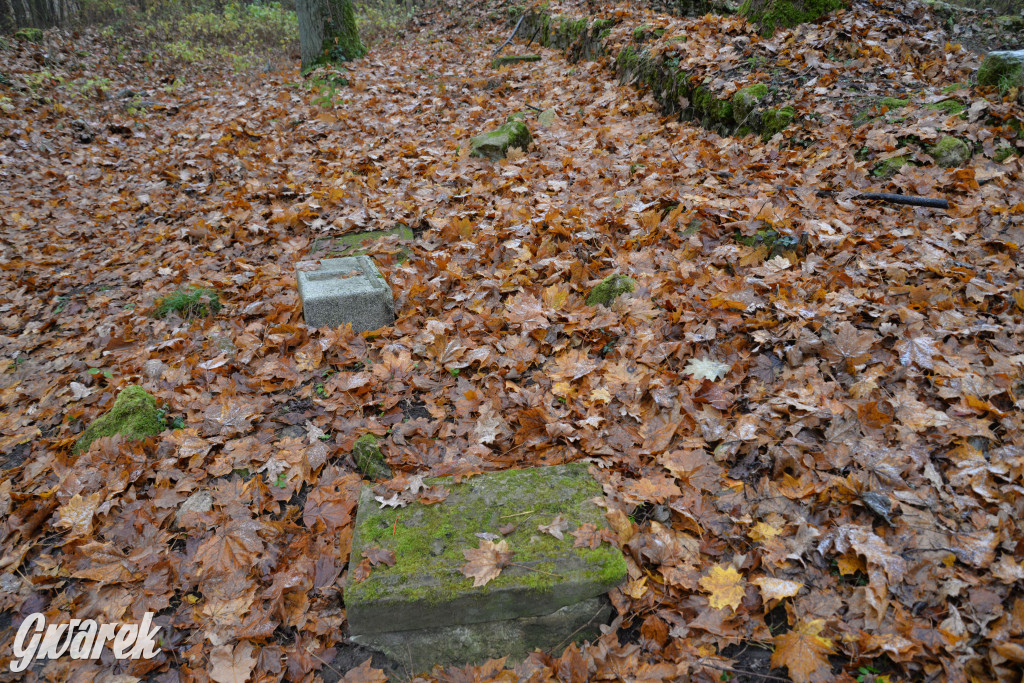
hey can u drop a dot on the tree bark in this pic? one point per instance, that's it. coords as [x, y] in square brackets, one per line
[15, 14]
[327, 32]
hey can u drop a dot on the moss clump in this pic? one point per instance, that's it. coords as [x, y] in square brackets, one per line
[370, 461]
[134, 415]
[495, 145]
[893, 103]
[775, 120]
[772, 14]
[197, 302]
[29, 35]
[499, 62]
[950, 152]
[1004, 153]
[745, 101]
[890, 167]
[1005, 70]
[708, 106]
[951, 107]
[609, 289]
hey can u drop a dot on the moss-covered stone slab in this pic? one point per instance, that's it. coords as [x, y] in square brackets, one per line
[1003, 69]
[505, 60]
[425, 588]
[134, 415]
[495, 145]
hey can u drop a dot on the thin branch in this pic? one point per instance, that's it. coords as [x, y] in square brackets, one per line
[741, 671]
[509, 39]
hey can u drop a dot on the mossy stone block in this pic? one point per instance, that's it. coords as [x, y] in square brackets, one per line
[773, 14]
[745, 100]
[134, 415]
[369, 459]
[610, 289]
[1003, 69]
[950, 152]
[775, 120]
[499, 62]
[495, 145]
[425, 588]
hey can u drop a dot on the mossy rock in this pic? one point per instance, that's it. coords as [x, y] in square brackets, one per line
[610, 289]
[134, 415]
[504, 60]
[495, 145]
[707, 106]
[745, 101]
[1004, 70]
[890, 167]
[29, 35]
[951, 107]
[371, 462]
[775, 120]
[772, 14]
[950, 152]
[893, 103]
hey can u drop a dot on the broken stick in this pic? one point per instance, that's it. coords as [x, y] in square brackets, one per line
[908, 200]
[509, 39]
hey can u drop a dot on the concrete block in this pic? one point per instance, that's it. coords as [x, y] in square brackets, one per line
[346, 290]
[425, 597]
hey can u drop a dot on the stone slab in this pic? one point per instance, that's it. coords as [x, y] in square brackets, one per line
[418, 651]
[346, 290]
[425, 587]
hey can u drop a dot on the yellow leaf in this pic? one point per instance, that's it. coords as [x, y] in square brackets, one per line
[764, 532]
[636, 589]
[725, 586]
[77, 514]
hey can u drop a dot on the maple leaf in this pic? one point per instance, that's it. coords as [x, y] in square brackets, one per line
[77, 514]
[485, 562]
[555, 527]
[917, 350]
[232, 664]
[589, 536]
[365, 673]
[706, 368]
[804, 653]
[849, 345]
[776, 589]
[235, 546]
[377, 555]
[726, 586]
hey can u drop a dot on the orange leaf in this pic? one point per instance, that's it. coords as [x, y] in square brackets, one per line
[804, 653]
[485, 562]
[725, 586]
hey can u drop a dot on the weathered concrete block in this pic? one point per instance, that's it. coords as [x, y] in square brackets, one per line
[346, 290]
[424, 596]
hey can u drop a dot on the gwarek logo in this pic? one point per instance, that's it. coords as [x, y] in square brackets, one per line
[82, 639]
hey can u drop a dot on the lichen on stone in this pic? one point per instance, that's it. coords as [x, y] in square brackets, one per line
[134, 415]
[495, 145]
[369, 459]
[609, 289]
[950, 152]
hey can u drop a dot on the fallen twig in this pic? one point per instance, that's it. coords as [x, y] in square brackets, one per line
[509, 39]
[908, 200]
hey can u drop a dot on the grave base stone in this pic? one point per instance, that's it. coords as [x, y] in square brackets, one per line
[423, 611]
[346, 290]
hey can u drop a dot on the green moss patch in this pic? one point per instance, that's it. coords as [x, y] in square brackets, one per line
[29, 35]
[369, 459]
[425, 587]
[495, 145]
[775, 120]
[610, 289]
[951, 107]
[772, 14]
[196, 302]
[134, 415]
[890, 167]
[745, 101]
[1004, 70]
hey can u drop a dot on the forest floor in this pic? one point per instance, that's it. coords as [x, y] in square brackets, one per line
[810, 407]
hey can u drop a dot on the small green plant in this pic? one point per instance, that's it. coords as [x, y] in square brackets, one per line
[197, 302]
[320, 391]
[281, 480]
[454, 372]
[865, 671]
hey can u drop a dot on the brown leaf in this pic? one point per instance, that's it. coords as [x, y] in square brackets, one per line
[555, 527]
[804, 653]
[485, 562]
[232, 664]
[378, 555]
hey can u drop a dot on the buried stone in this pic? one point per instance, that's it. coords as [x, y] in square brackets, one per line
[422, 610]
[346, 290]
[495, 145]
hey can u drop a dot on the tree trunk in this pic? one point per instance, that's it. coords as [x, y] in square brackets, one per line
[327, 32]
[16, 14]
